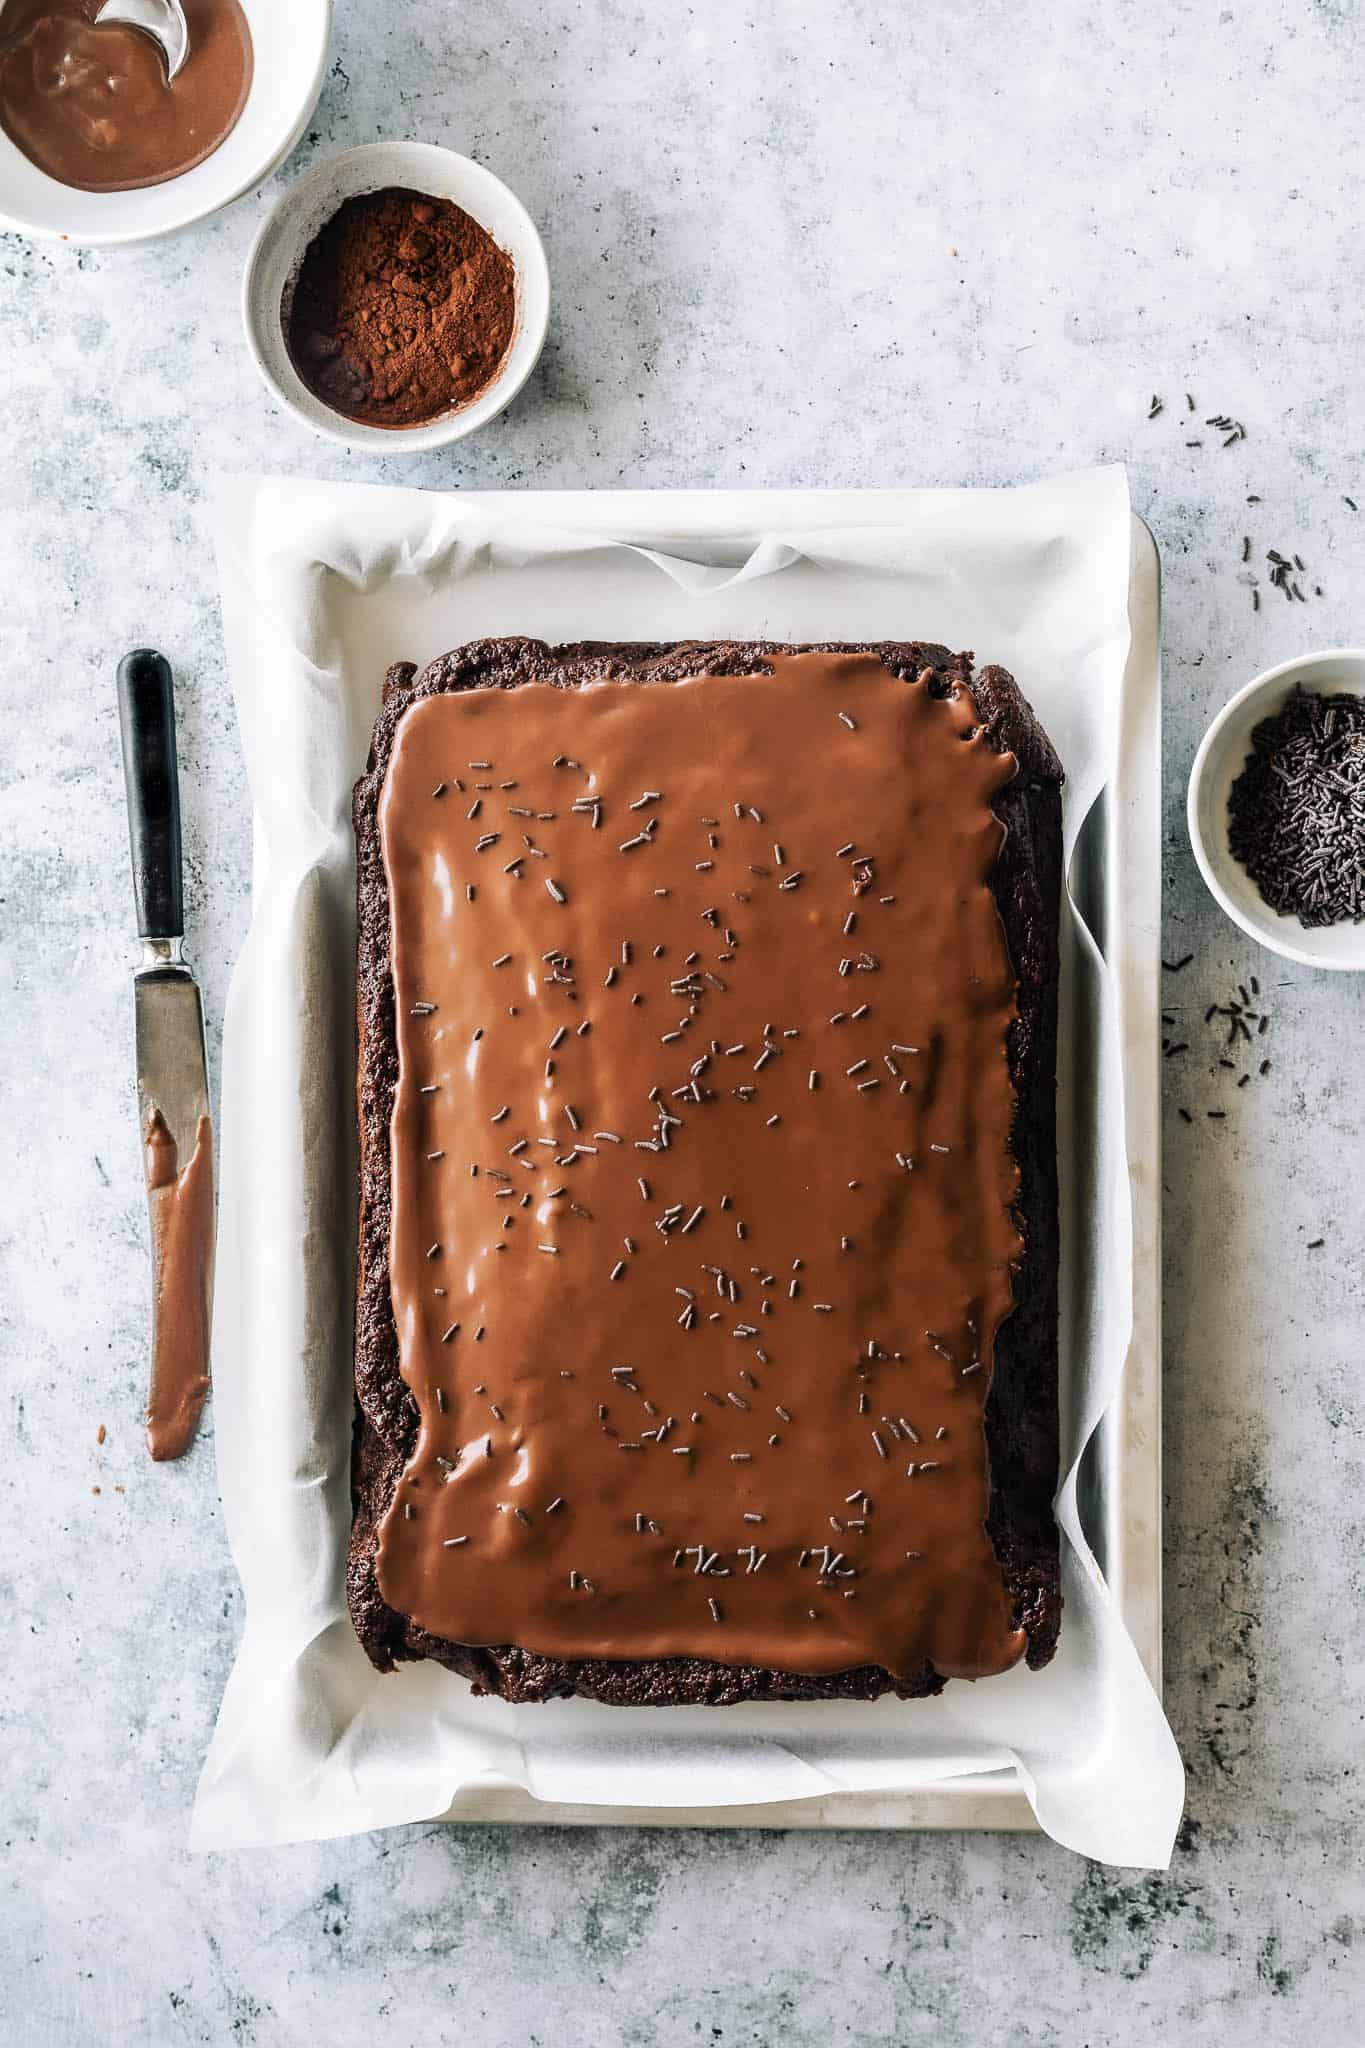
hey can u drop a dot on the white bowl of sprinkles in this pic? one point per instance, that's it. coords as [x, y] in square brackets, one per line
[1226, 748]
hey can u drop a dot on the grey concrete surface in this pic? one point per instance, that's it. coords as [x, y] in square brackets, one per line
[793, 243]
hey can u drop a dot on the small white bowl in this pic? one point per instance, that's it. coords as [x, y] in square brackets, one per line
[279, 249]
[290, 43]
[1221, 758]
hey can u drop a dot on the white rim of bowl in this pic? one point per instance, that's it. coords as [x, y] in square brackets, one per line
[445, 428]
[1301, 665]
[180, 221]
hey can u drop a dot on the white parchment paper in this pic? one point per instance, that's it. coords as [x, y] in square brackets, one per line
[324, 585]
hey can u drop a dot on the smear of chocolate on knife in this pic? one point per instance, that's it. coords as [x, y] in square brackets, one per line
[181, 1205]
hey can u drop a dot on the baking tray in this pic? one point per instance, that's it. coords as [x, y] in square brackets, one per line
[1116, 881]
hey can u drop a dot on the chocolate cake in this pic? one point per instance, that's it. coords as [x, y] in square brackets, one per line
[706, 1336]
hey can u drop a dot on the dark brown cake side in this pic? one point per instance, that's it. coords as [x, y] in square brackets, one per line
[1021, 1412]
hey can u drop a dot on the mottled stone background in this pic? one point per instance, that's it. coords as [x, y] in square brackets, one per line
[792, 244]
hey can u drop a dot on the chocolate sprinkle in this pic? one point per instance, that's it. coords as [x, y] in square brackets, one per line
[1296, 813]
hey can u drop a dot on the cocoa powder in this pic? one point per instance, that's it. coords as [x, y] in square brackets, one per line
[403, 309]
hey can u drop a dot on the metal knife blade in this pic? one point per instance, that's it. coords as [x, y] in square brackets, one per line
[172, 1058]
[172, 1064]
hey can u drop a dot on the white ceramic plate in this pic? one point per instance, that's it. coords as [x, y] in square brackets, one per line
[279, 249]
[1220, 760]
[291, 39]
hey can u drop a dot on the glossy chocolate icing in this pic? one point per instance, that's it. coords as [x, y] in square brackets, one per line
[92, 106]
[837, 1204]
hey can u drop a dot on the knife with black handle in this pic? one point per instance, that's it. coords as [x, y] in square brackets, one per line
[172, 1063]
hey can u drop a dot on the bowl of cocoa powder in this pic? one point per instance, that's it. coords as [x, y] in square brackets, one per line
[396, 298]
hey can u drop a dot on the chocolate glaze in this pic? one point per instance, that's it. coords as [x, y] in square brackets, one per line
[1021, 1418]
[181, 1203]
[832, 751]
[92, 106]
